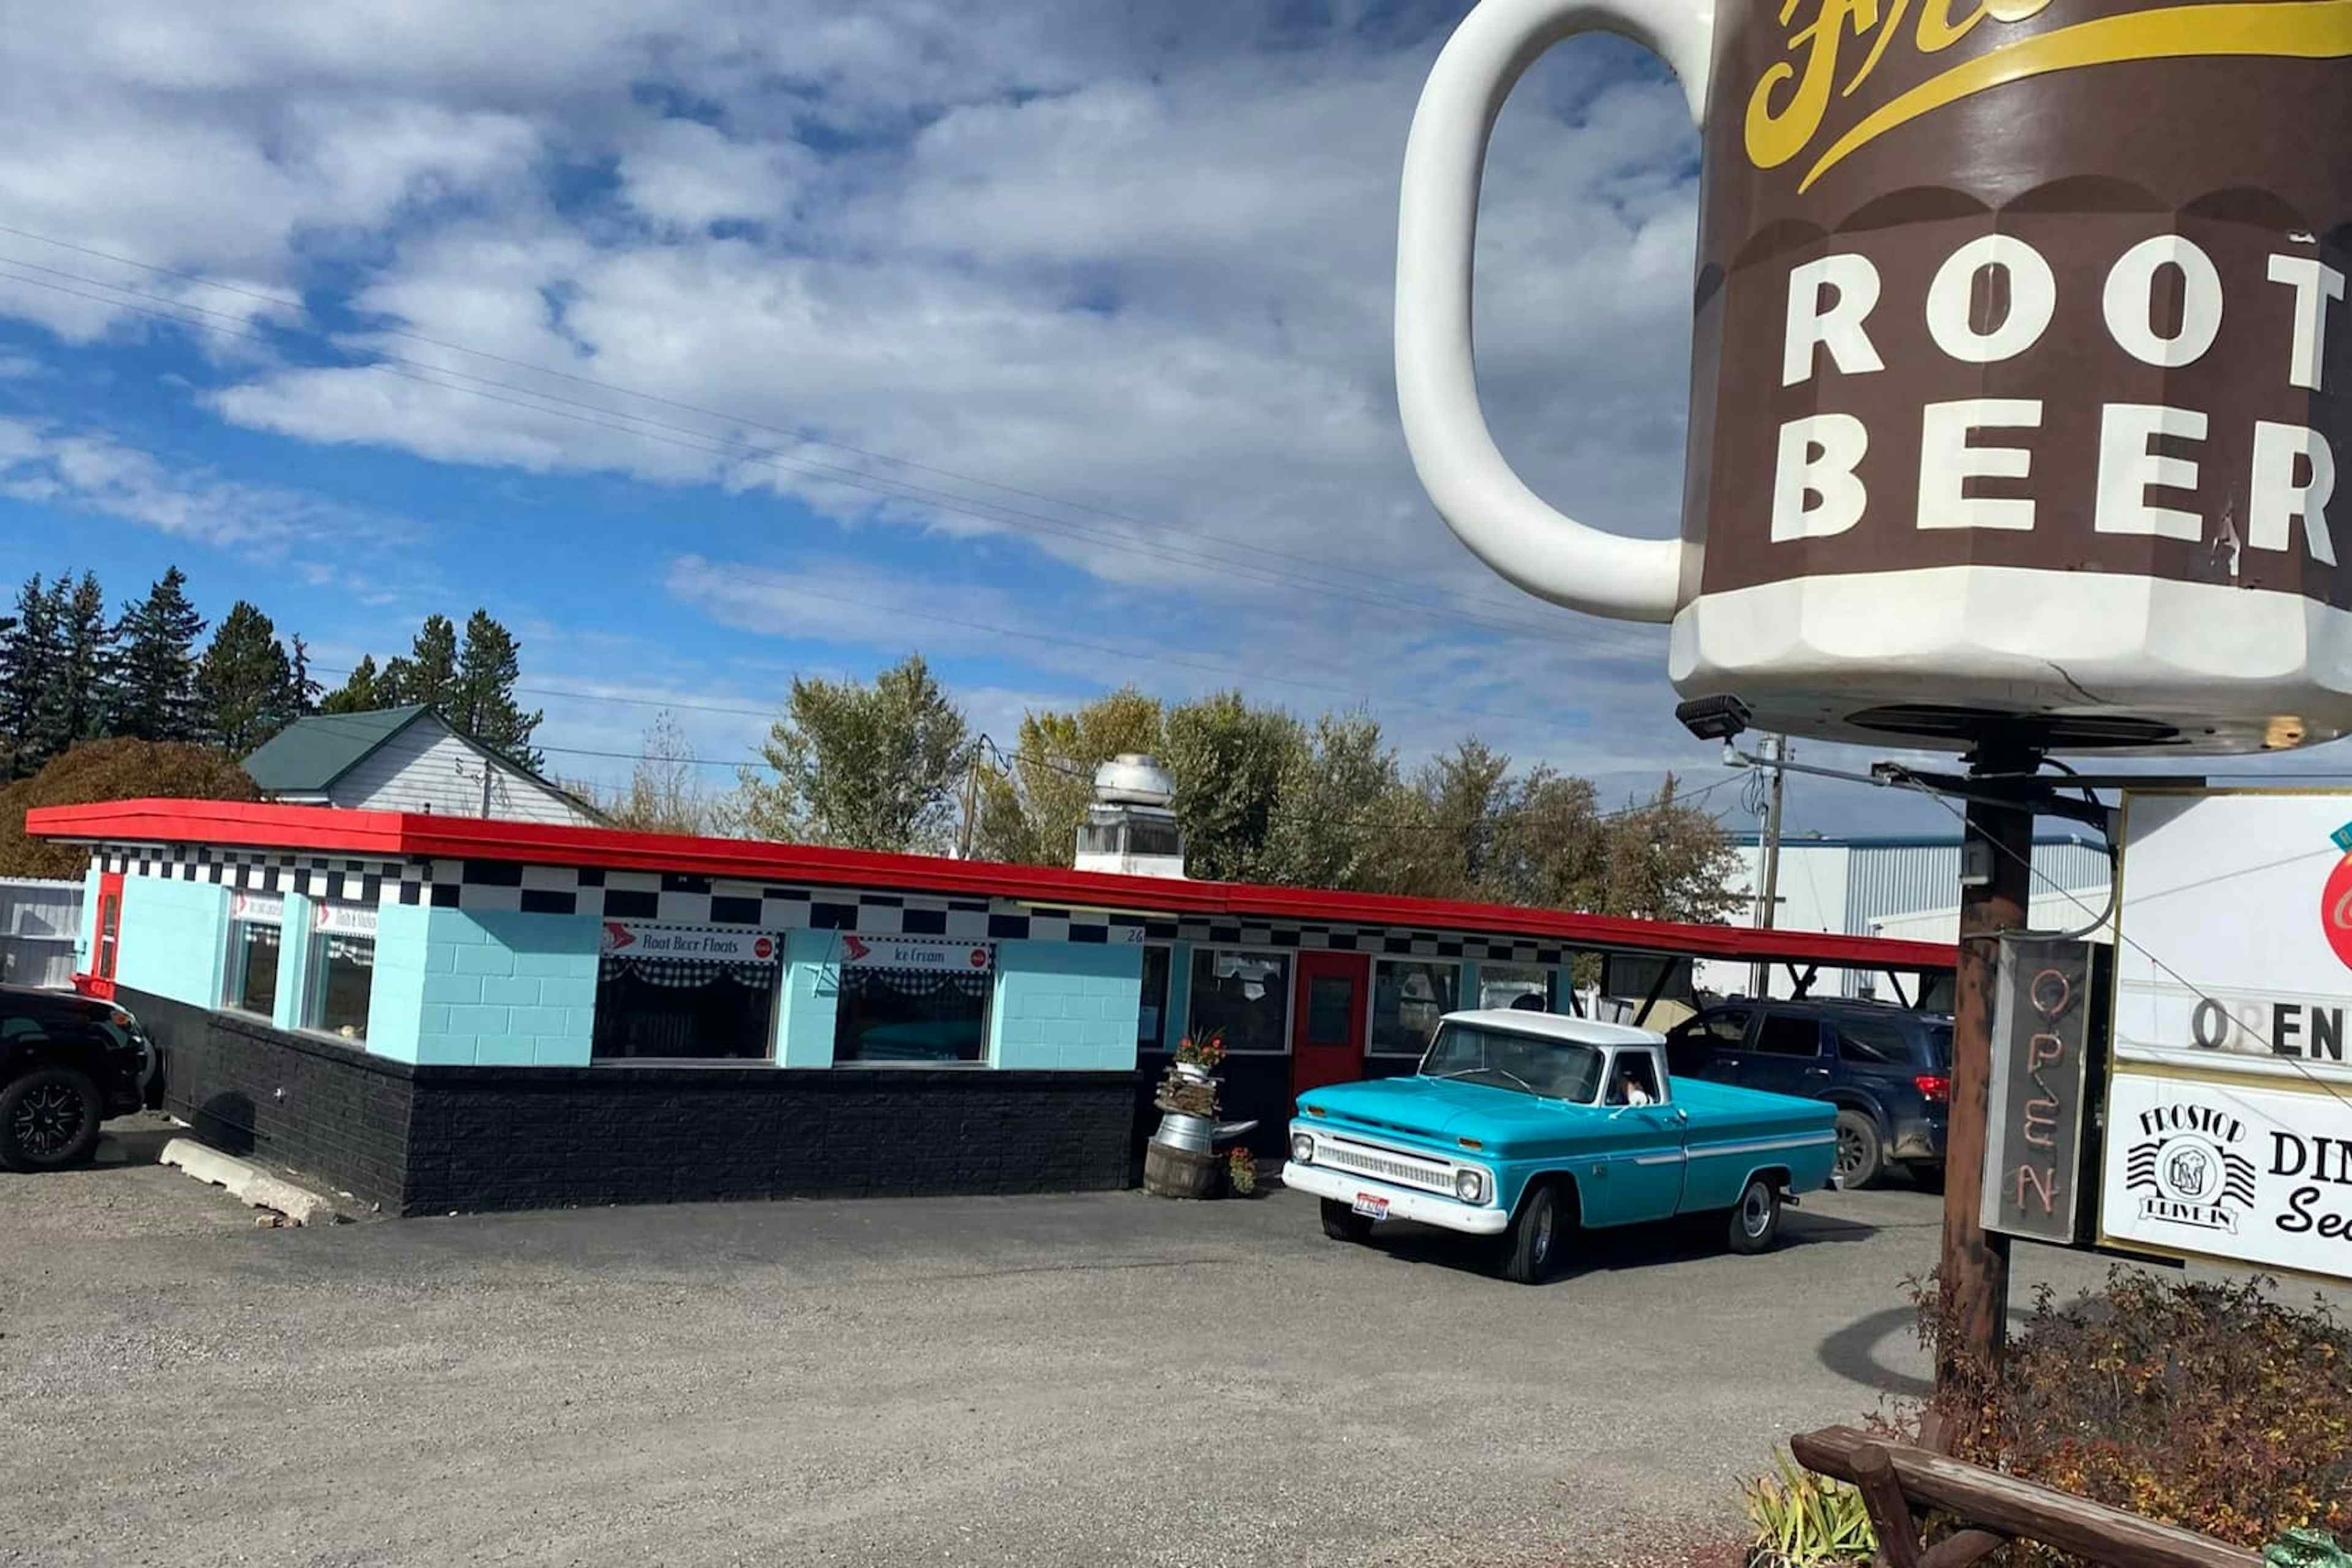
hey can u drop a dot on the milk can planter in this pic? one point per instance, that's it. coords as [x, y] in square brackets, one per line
[1181, 1160]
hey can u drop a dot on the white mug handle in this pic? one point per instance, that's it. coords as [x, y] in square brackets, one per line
[1489, 508]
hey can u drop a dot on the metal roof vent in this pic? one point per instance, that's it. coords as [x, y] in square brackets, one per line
[1129, 828]
[1132, 778]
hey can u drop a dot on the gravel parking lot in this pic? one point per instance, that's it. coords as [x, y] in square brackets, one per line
[1104, 1378]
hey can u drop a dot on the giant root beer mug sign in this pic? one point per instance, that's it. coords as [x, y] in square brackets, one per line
[2019, 380]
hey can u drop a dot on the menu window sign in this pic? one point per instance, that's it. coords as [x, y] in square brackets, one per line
[2246, 1175]
[344, 919]
[257, 908]
[718, 945]
[944, 954]
[2035, 1173]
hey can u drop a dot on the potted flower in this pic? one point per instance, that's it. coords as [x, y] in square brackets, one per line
[1241, 1171]
[1196, 1058]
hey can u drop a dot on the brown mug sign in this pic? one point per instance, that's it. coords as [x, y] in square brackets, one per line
[2018, 371]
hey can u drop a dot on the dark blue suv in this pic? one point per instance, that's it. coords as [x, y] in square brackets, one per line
[1888, 1070]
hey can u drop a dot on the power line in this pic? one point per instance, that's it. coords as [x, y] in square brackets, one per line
[718, 446]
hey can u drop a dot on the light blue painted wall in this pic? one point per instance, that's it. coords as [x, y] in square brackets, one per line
[501, 987]
[175, 939]
[396, 994]
[1179, 996]
[1067, 1006]
[812, 999]
[294, 942]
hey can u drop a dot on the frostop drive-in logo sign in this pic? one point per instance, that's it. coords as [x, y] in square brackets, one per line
[2336, 910]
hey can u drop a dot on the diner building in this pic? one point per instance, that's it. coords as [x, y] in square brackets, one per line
[435, 1013]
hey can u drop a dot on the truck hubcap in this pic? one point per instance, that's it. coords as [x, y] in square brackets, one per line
[1756, 1212]
[47, 1120]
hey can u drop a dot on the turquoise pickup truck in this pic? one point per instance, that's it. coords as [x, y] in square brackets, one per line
[1523, 1126]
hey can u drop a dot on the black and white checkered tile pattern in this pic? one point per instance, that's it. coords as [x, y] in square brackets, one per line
[674, 900]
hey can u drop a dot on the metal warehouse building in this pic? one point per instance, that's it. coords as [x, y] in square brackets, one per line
[441, 1013]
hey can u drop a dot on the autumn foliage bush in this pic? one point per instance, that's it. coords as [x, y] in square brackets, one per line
[109, 770]
[2218, 1407]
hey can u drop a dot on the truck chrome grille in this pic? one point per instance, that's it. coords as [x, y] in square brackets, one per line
[1387, 1164]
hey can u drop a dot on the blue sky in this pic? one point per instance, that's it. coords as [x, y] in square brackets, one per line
[626, 322]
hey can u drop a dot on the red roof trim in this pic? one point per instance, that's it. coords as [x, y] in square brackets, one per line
[401, 836]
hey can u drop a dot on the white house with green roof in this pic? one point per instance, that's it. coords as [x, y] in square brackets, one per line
[405, 759]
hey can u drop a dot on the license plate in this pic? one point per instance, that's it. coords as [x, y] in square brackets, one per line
[1372, 1207]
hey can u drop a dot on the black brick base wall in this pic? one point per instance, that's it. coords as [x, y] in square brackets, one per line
[427, 1139]
[327, 1111]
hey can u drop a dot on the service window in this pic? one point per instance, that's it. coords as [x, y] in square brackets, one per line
[1245, 994]
[1524, 986]
[256, 939]
[1154, 1009]
[684, 994]
[913, 999]
[1409, 996]
[252, 950]
[343, 970]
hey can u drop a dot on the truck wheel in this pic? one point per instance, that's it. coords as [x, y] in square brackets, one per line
[1756, 1223]
[1342, 1222]
[1531, 1246]
[1861, 1153]
[48, 1119]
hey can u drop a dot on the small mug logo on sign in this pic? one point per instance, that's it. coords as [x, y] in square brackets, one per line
[2188, 1170]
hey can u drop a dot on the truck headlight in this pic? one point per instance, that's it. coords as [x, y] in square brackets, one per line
[1470, 1185]
[1302, 1149]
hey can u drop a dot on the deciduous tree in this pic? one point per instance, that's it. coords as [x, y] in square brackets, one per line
[866, 766]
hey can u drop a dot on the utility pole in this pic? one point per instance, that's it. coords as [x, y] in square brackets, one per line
[1996, 871]
[1760, 975]
[971, 802]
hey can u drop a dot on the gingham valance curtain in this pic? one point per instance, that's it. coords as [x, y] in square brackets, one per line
[968, 983]
[685, 972]
[359, 952]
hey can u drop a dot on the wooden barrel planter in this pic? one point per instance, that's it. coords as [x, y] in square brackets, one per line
[1169, 1172]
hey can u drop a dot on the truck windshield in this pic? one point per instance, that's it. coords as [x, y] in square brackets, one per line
[1527, 1064]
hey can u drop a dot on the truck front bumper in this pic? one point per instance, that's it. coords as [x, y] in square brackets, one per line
[1405, 1203]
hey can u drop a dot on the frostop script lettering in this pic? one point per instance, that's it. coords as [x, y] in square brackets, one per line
[1817, 493]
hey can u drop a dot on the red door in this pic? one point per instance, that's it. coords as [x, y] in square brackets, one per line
[1327, 1019]
[106, 945]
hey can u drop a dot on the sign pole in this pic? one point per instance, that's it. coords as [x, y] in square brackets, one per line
[1974, 1276]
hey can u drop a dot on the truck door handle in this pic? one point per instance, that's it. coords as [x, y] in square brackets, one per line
[1818, 1072]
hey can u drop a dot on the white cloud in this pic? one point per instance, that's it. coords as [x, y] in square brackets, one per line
[93, 472]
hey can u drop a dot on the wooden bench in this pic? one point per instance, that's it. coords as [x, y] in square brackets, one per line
[1899, 1481]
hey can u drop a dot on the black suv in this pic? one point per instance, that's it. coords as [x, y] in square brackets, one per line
[1888, 1070]
[67, 1063]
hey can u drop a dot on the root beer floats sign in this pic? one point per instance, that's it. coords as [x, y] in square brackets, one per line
[2228, 1118]
[2019, 365]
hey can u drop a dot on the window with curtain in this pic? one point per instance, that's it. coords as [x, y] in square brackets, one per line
[684, 1009]
[885, 1014]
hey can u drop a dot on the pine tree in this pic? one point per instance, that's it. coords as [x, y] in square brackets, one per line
[154, 696]
[74, 706]
[242, 680]
[302, 688]
[363, 690]
[429, 673]
[28, 663]
[482, 700]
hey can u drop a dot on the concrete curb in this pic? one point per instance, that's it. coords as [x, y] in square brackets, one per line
[249, 1183]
